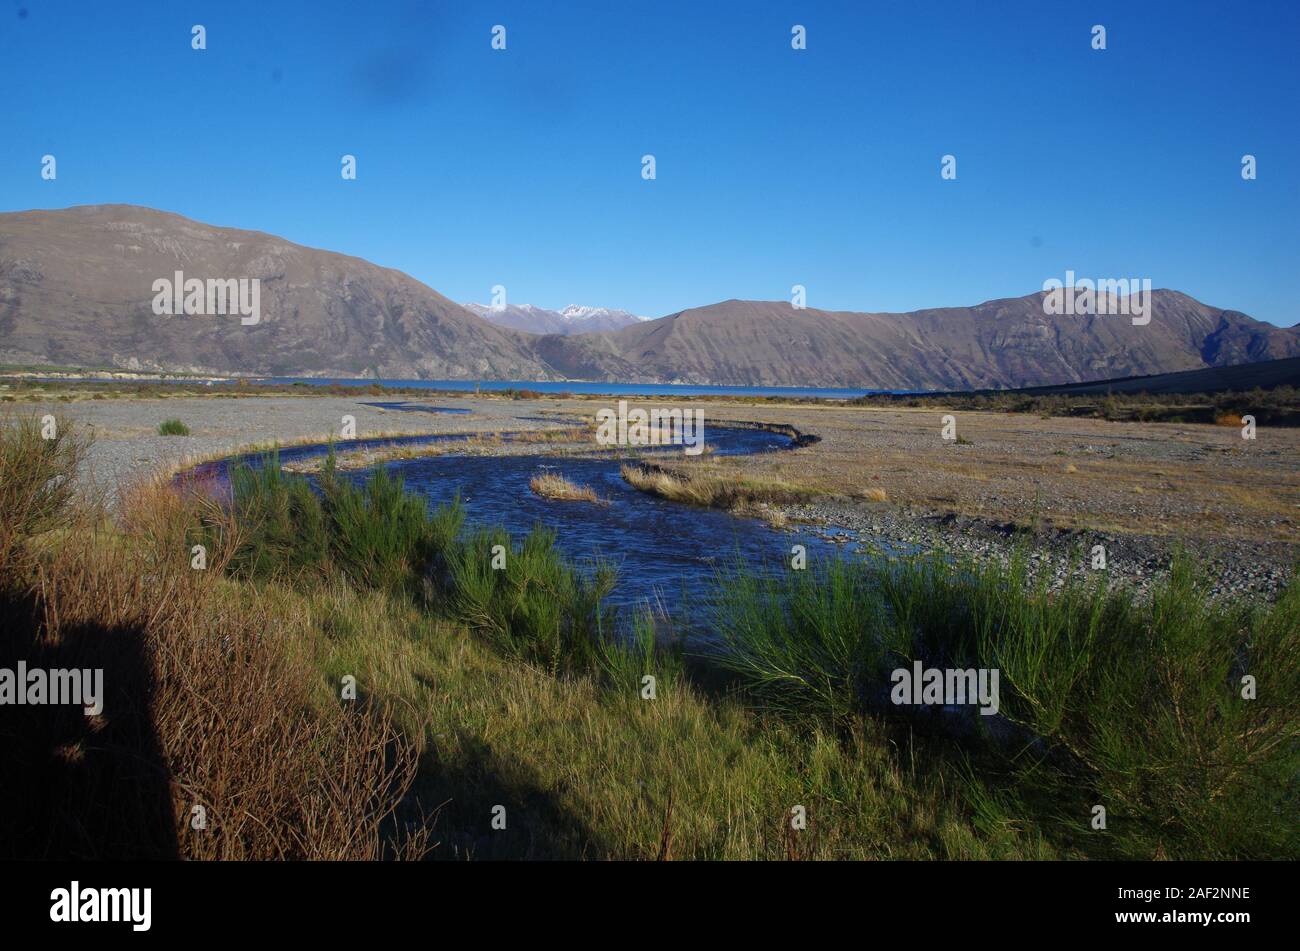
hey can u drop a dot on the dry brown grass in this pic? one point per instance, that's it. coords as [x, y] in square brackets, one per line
[713, 486]
[569, 434]
[208, 714]
[1018, 465]
[553, 485]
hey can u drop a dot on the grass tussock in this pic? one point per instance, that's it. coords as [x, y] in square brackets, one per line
[568, 434]
[173, 427]
[553, 485]
[713, 487]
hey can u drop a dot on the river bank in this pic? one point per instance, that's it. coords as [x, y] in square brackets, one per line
[881, 478]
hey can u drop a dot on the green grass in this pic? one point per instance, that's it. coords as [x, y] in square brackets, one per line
[589, 769]
[173, 427]
[1134, 705]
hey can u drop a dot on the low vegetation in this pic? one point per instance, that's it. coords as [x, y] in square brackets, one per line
[472, 444]
[1279, 406]
[173, 427]
[553, 485]
[490, 670]
[713, 486]
[1179, 715]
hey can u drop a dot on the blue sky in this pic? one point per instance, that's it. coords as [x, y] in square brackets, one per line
[820, 167]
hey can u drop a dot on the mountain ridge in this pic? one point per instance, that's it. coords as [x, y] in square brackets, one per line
[76, 290]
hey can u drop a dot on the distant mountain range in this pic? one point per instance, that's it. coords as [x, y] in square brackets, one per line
[573, 319]
[77, 288]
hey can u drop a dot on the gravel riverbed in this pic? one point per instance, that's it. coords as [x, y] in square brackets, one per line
[127, 448]
[1235, 568]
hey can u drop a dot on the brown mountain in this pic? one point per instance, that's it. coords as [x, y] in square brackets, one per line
[1001, 343]
[76, 289]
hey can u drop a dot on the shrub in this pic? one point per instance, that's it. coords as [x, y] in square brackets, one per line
[173, 427]
[538, 606]
[37, 478]
[376, 533]
[1135, 704]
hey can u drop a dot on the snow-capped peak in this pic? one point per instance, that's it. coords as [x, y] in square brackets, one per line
[582, 312]
[574, 319]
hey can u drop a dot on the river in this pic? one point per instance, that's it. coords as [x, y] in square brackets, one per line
[666, 552]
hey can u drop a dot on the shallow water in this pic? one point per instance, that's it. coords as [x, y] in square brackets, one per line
[666, 553]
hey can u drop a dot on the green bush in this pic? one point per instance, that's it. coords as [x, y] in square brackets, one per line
[173, 427]
[281, 519]
[377, 534]
[36, 483]
[536, 605]
[1134, 704]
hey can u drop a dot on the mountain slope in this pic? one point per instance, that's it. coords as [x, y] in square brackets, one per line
[76, 289]
[1001, 343]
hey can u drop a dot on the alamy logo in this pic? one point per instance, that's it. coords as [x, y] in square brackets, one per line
[103, 904]
[934, 686]
[36, 687]
[658, 427]
[1103, 297]
[215, 296]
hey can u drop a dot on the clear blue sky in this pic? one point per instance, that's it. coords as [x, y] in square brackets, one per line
[775, 167]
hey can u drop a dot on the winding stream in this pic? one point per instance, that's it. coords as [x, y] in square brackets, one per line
[666, 553]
